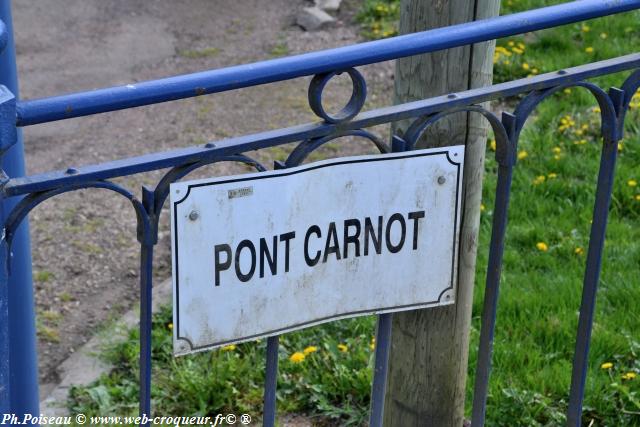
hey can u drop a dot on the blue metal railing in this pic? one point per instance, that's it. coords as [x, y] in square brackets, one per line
[349, 122]
[20, 345]
[241, 76]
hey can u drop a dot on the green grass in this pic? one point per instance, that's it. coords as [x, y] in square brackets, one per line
[379, 18]
[48, 325]
[547, 239]
[279, 49]
[43, 276]
[332, 379]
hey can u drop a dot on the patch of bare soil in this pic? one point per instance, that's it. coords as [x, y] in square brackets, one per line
[85, 253]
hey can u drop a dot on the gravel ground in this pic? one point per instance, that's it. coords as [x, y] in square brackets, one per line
[85, 256]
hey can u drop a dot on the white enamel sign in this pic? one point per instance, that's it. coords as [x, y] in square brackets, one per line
[265, 253]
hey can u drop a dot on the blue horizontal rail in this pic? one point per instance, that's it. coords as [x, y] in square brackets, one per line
[148, 162]
[80, 104]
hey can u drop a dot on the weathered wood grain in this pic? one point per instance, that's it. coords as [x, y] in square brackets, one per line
[428, 361]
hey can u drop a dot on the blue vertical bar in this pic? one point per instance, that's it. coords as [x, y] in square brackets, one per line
[492, 291]
[5, 390]
[147, 237]
[591, 278]
[146, 286]
[383, 342]
[8, 134]
[22, 333]
[271, 382]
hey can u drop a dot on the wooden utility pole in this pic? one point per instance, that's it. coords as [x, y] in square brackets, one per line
[429, 350]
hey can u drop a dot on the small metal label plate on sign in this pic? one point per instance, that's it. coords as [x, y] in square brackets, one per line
[261, 254]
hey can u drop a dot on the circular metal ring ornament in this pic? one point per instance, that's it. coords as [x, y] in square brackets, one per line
[353, 107]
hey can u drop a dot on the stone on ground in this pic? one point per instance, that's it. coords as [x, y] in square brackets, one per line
[328, 5]
[313, 19]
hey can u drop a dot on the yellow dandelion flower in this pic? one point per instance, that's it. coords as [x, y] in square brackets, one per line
[629, 376]
[310, 349]
[606, 365]
[566, 122]
[567, 91]
[632, 183]
[596, 110]
[637, 197]
[507, 62]
[297, 357]
[512, 44]
[584, 126]
[492, 144]
[580, 251]
[542, 246]
[578, 132]
[170, 326]
[603, 36]
[228, 347]
[557, 150]
[620, 146]
[535, 71]
[517, 50]
[521, 45]
[522, 154]
[589, 49]
[482, 207]
[556, 157]
[585, 28]
[525, 66]
[552, 175]
[539, 180]
[343, 348]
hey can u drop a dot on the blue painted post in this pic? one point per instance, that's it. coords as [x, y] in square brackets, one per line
[22, 336]
[8, 134]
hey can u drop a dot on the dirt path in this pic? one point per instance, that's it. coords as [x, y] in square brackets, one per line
[85, 256]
